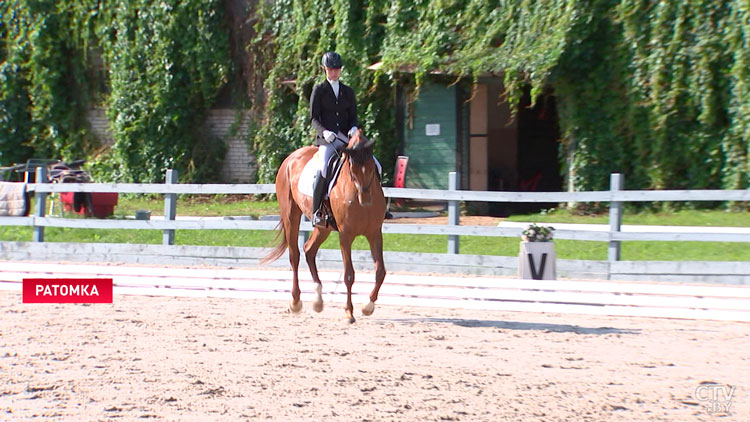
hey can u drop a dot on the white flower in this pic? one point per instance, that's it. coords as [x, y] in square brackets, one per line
[535, 233]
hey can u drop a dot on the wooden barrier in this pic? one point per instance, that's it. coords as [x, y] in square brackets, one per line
[480, 293]
[709, 271]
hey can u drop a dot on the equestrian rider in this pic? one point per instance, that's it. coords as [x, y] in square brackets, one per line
[333, 112]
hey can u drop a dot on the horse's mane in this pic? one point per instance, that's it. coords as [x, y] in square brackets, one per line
[359, 149]
[359, 156]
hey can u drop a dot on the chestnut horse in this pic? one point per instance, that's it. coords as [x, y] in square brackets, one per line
[358, 206]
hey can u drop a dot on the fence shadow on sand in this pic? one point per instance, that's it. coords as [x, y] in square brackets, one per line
[518, 325]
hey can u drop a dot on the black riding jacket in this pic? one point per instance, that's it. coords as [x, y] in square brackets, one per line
[330, 113]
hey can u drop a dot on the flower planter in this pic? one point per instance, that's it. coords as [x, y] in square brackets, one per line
[536, 261]
[102, 203]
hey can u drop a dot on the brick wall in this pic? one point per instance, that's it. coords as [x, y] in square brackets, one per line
[97, 118]
[239, 165]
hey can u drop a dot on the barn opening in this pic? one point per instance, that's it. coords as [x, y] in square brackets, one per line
[472, 130]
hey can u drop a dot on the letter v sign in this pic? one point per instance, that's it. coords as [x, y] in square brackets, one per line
[534, 274]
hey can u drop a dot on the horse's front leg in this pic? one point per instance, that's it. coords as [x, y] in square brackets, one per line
[346, 253]
[311, 250]
[376, 247]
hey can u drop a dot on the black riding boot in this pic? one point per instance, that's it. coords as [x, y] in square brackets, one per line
[319, 189]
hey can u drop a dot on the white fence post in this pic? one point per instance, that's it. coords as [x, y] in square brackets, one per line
[41, 203]
[453, 212]
[616, 183]
[170, 207]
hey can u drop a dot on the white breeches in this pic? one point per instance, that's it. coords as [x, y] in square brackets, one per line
[324, 154]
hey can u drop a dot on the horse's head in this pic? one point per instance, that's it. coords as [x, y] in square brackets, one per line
[361, 166]
[359, 141]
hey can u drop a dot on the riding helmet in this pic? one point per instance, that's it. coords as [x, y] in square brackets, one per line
[331, 60]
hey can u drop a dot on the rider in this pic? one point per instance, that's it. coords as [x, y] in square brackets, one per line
[333, 112]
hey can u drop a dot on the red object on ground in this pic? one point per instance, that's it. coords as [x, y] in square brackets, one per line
[103, 203]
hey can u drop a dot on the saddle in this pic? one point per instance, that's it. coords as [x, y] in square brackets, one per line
[334, 168]
[305, 185]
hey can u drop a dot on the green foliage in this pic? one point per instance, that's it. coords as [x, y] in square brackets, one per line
[42, 83]
[678, 68]
[736, 144]
[166, 60]
[521, 39]
[657, 90]
[293, 35]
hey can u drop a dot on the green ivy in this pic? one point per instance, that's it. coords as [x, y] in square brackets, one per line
[736, 144]
[657, 90]
[166, 62]
[292, 37]
[43, 87]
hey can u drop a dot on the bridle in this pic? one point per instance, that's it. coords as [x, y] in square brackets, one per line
[362, 189]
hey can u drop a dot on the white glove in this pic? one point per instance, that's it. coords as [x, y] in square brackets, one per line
[352, 131]
[329, 136]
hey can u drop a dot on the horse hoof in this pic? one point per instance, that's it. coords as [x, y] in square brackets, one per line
[318, 306]
[368, 309]
[350, 318]
[295, 308]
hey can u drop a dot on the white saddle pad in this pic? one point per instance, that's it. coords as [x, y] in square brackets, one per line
[307, 178]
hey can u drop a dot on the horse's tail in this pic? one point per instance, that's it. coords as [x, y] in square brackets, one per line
[284, 196]
[279, 249]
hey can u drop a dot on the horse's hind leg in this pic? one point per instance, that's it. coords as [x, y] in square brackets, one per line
[291, 221]
[311, 250]
[376, 247]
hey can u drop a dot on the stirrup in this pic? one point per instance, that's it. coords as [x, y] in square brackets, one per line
[318, 220]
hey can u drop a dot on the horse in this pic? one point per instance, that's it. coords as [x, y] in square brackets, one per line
[358, 207]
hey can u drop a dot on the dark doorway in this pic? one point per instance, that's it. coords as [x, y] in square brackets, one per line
[538, 149]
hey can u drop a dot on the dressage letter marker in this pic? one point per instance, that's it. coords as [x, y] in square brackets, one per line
[537, 275]
[67, 290]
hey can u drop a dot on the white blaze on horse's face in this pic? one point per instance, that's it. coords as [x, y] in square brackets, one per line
[362, 178]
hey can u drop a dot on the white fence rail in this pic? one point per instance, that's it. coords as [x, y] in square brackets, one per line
[616, 197]
[620, 298]
[427, 194]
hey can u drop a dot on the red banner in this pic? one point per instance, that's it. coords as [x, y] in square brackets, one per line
[67, 290]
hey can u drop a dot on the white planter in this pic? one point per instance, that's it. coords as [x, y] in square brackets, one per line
[536, 261]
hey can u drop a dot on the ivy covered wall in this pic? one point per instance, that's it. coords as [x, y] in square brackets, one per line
[656, 89]
[293, 35]
[43, 87]
[165, 62]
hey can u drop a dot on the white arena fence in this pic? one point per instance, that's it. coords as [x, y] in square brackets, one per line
[726, 272]
[585, 297]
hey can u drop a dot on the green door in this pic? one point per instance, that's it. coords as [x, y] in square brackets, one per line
[430, 141]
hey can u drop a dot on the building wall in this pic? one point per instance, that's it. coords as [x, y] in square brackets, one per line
[478, 160]
[431, 134]
[503, 139]
[97, 118]
[240, 165]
